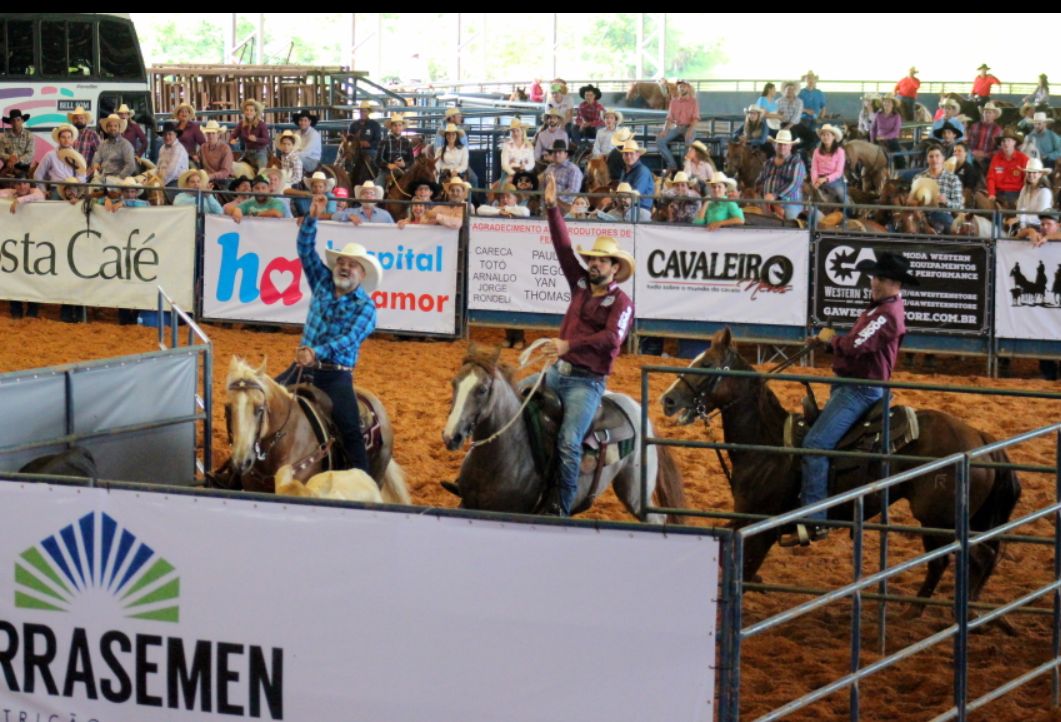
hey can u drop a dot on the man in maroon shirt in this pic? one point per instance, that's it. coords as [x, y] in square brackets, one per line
[591, 334]
[868, 351]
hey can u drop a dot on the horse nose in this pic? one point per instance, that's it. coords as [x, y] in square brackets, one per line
[668, 404]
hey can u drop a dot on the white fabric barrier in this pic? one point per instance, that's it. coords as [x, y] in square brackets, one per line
[252, 273]
[50, 253]
[299, 612]
[1027, 290]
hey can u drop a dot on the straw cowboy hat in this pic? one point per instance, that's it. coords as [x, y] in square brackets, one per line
[368, 187]
[455, 110]
[631, 146]
[79, 111]
[1041, 117]
[719, 178]
[453, 128]
[115, 119]
[72, 158]
[617, 113]
[259, 106]
[457, 181]
[889, 265]
[553, 112]
[123, 108]
[366, 105]
[517, 124]
[125, 184]
[784, 137]
[319, 176]
[211, 126]
[373, 271]
[924, 190]
[810, 76]
[838, 133]
[1011, 133]
[396, 118]
[204, 178]
[292, 136]
[990, 105]
[700, 149]
[625, 189]
[60, 128]
[1035, 165]
[186, 106]
[679, 177]
[607, 247]
[913, 70]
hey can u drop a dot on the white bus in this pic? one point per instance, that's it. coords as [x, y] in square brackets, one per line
[53, 62]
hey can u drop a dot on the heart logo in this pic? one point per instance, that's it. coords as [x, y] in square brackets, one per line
[288, 275]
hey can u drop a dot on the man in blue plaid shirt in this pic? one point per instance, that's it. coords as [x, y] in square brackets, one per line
[341, 316]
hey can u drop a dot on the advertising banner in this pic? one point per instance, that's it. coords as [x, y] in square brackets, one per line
[512, 265]
[129, 606]
[51, 252]
[1028, 291]
[738, 276]
[252, 273]
[951, 295]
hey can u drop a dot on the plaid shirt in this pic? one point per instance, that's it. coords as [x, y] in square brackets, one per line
[982, 136]
[335, 326]
[21, 145]
[785, 181]
[394, 147]
[568, 179]
[949, 187]
[87, 144]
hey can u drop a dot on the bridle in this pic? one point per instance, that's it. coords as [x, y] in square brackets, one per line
[705, 387]
[262, 446]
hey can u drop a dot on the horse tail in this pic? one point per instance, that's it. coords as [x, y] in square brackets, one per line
[394, 490]
[1001, 500]
[669, 490]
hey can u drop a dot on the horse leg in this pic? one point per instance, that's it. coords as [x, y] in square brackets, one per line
[982, 561]
[936, 567]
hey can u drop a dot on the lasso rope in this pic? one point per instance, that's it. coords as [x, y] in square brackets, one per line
[529, 354]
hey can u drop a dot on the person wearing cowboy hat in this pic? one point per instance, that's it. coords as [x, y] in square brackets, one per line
[603, 143]
[949, 193]
[982, 84]
[906, 93]
[507, 204]
[527, 188]
[365, 130]
[128, 196]
[698, 165]
[172, 156]
[62, 162]
[868, 351]
[596, 322]
[114, 157]
[886, 129]
[951, 110]
[559, 102]
[782, 176]
[615, 157]
[1046, 142]
[552, 133]
[288, 145]
[946, 136]
[968, 172]
[567, 175]
[1005, 172]
[754, 131]
[215, 154]
[260, 205]
[452, 216]
[683, 202]
[871, 105]
[21, 191]
[453, 158]
[395, 152]
[341, 317]
[813, 101]
[192, 182]
[637, 174]
[253, 133]
[190, 136]
[87, 141]
[367, 194]
[624, 207]
[517, 153]
[983, 134]
[789, 106]
[1035, 197]
[18, 139]
[310, 146]
[719, 212]
[590, 115]
[828, 163]
[131, 130]
[683, 113]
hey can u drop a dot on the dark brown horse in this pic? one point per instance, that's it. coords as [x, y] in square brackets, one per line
[744, 163]
[401, 187]
[356, 161]
[770, 483]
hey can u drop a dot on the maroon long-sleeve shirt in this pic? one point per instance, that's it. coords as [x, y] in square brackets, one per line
[871, 348]
[594, 326]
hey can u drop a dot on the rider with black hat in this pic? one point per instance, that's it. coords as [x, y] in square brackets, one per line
[310, 148]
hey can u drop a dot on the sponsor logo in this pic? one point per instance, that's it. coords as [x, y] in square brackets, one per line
[70, 105]
[841, 262]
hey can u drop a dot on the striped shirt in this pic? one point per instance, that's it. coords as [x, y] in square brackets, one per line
[785, 181]
[335, 326]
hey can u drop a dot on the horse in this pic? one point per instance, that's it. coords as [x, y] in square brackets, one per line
[651, 94]
[970, 224]
[518, 94]
[268, 429]
[744, 163]
[75, 461]
[871, 162]
[400, 188]
[356, 161]
[344, 485]
[770, 483]
[500, 473]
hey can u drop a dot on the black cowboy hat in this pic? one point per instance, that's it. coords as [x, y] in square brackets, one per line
[889, 265]
[561, 145]
[529, 176]
[588, 87]
[15, 113]
[313, 119]
[435, 188]
[938, 132]
[170, 125]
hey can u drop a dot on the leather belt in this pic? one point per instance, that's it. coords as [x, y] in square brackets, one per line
[332, 367]
[566, 368]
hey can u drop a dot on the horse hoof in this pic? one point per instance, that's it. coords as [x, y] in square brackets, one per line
[913, 611]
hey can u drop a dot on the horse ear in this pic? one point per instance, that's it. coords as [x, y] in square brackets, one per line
[497, 354]
[261, 369]
[723, 338]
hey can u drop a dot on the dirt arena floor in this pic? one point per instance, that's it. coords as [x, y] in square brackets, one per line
[413, 377]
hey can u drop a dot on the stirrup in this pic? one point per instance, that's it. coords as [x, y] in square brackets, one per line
[804, 535]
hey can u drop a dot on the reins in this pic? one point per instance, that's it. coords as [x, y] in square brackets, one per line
[525, 360]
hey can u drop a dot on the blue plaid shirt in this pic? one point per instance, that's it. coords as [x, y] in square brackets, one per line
[335, 326]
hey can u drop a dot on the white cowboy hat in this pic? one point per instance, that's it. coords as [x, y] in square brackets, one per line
[319, 176]
[679, 177]
[456, 181]
[79, 111]
[784, 137]
[112, 117]
[73, 158]
[1041, 117]
[367, 186]
[719, 178]
[990, 105]
[925, 190]
[626, 189]
[754, 109]
[188, 106]
[607, 247]
[553, 112]
[699, 145]
[621, 135]
[211, 126]
[204, 178]
[127, 183]
[295, 138]
[259, 106]
[1035, 165]
[838, 133]
[373, 271]
[123, 108]
[617, 113]
[61, 127]
[631, 146]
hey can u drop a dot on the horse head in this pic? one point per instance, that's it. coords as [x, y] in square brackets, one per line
[473, 393]
[696, 396]
[252, 396]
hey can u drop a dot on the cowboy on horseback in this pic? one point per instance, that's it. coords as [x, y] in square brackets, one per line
[341, 316]
[868, 351]
[591, 334]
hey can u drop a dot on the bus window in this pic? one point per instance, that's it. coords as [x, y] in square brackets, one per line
[53, 49]
[20, 51]
[79, 49]
[137, 102]
[119, 56]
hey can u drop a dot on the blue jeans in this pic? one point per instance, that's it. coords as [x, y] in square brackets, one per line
[940, 220]
[581, 396]
[792, 210]
[675, 133]
[846, 406]
[908, 107]
[339, 386]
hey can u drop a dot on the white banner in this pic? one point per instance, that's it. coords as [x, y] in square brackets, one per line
[737, 275]
[252, 272]
[111, 610]
[50, 253]
[512, 266]
[1028, 291]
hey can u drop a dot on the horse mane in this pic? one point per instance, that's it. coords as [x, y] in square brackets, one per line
[240, 370]
[489, 360]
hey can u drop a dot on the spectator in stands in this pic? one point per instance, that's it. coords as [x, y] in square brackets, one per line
[131, 131]
[982, 85]
[517, 153]
[72, 194]
[240, 185]
[342, 200]
[967, 171]
[366, 130]
[590, 115]
[368, 195]
[951, 109]
[507, 205]
[260, 205]
[395, 151]
[755, 131]
[537, 92]
[637, 173]
[1040, 97]
[768, 102]
[615, 157]
[683, 114]
[698, 165]
[287, 143]
[1046, 142]
[21, 191]
[887, 125]
[191, 182]
[453, 216]
[1035, 197]
[62, 162]
[190, 136]
[128, 196]
[253, 133]
[1025, 125]
[527, 185]
[559, 102]
[1005, 172]
[813, 101]
[683, 202]
[18, 140]
[172, 157]
[419, 215]
[426, 191]
[114, 157]
[603, 143]
[906, 91]
[87, 141]
[579, 210]
[567, 175]
[549, 135]
[950, 192]
[781, 178]
[719, 212]
[454, 116]
[984, 133]
[318, 184]
[1047, 230]
[828, 164]
[947, 135]
[453, 158]
[789, 105]
[871, 104]
[310, 137]
[623, 206]
[216, 155]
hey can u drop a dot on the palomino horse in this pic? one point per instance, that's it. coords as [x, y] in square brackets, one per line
[269, 429]
[400, 187]
[770, 483]
[744, 163]
[651, 94]
[500, 473]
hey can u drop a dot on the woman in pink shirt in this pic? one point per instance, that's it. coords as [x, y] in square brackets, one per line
[827, 164]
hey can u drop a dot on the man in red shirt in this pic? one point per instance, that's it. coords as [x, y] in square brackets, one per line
[1005, 172]
[982, 85]
[906, 92]
[596, 322]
